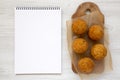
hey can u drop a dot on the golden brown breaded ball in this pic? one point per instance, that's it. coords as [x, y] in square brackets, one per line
[86, 65]
[79, 26]
[96, 32]
[80, 45]
[98, 51]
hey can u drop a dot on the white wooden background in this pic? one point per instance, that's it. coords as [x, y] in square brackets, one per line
[111, 10]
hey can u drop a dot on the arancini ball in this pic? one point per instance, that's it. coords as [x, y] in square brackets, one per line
[86, 65]
[98, 51]
[80, 45]
[79, 26]
[96, 32]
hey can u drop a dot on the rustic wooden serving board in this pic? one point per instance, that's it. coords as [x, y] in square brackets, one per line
[86, 9]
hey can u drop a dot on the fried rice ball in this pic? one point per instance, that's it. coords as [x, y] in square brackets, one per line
[86, 65]
[96, 32]
[79, 26]
[80, 45]
[98, 51]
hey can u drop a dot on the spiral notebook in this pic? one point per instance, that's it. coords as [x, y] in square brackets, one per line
[37, 40]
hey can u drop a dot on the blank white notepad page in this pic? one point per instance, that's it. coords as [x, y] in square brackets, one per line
[37, 40]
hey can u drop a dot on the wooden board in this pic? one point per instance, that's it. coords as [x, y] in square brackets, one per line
[85, 9]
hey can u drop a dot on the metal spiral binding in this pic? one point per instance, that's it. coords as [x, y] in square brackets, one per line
[37, 8]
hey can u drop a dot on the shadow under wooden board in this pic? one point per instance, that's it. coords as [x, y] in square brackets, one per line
[86, 9]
